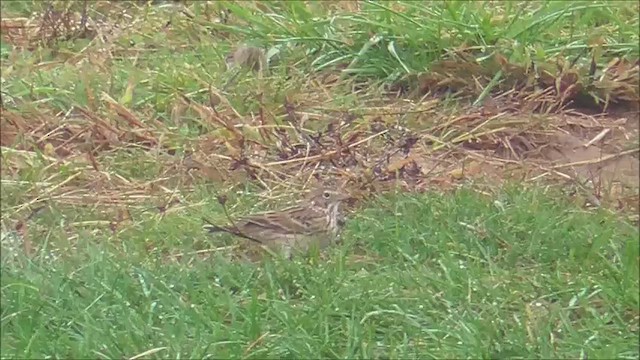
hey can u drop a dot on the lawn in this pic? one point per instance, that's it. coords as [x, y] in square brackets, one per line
[439, 276]
[478, 232]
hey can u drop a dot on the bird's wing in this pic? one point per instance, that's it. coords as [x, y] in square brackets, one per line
[290, 221]
[275, 224]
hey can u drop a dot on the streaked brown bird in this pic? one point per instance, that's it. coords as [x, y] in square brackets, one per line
[316, 221]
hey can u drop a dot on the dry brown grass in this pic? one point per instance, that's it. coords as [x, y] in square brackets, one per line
[550, 121]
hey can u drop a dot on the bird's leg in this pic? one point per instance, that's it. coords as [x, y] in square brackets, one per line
[286, 251]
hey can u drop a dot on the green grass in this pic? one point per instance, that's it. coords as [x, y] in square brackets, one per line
[381, 43]
[437, 276]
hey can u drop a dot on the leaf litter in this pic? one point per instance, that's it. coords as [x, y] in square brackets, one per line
[561, 123]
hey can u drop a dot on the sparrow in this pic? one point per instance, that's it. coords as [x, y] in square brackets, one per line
[316, 221]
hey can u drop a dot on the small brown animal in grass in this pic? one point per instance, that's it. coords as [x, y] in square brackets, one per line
[248, 57]
[316, 221]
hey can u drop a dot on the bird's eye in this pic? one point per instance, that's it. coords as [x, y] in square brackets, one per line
[326, 195]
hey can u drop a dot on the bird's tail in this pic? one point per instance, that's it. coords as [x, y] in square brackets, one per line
[212, 228]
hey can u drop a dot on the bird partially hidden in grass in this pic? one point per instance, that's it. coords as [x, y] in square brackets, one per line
[249, 57]
[315, 222]
[245, 59]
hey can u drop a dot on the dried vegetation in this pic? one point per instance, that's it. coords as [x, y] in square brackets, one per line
[563, 121]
